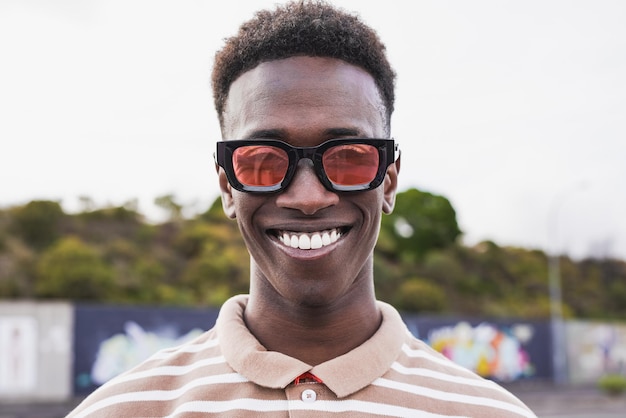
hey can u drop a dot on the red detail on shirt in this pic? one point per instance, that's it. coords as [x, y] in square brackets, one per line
[304, 377]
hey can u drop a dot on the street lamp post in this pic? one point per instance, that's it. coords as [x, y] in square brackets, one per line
[559, 360]
[556, 320]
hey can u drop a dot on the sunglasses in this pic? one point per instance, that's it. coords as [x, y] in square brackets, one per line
[342, 165]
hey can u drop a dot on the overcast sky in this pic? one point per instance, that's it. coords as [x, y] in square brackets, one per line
[514, 110]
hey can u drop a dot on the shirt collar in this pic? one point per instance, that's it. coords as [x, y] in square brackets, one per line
[343, 375]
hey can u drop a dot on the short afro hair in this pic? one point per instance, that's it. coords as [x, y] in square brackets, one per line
[302, 28]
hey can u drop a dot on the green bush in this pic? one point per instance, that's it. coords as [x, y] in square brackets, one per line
[38, 222]
[420, 295]
[72, 269]
[612, 384]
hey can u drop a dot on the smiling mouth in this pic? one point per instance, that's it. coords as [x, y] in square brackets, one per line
[309, 240]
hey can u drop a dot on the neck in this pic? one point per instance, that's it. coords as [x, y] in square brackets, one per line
[313, 334]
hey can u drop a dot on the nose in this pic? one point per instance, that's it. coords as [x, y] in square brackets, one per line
[306, 193]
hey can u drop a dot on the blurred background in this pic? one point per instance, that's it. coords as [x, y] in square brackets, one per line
[506, 108]
[509, 225]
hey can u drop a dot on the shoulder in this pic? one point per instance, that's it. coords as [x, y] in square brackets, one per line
[448, 387]
[159, 376]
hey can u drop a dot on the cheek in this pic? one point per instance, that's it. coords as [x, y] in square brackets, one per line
[242, 214]
[375, 201]
[245, 207]
[370, 204]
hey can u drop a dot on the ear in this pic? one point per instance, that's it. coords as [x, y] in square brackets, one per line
[391, 186]
[228, 203]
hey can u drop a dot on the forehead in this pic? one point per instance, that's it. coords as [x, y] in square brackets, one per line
[304, 94]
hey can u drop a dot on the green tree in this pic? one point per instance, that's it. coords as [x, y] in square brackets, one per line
[169, 204]
[219, 267]
[38, 222]
[420, 222]
[16, 269]
[217, 261]
[71, 269]
[420, 295]
[111, 254]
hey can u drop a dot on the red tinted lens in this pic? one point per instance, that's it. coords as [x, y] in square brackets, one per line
[351, 164]
[260, 165]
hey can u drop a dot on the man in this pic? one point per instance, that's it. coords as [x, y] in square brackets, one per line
[304, 96]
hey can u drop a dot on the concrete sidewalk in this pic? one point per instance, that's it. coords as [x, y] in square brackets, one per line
[548, 401]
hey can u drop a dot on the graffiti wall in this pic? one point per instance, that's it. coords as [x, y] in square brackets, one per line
[110, 340]
[35, 351]
[504, 351]
[594, 349]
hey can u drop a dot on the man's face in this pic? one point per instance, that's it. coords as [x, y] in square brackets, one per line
[305, 101]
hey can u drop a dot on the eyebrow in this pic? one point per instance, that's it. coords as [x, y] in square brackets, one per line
[280, 133]
[266, 134]
[336, 132]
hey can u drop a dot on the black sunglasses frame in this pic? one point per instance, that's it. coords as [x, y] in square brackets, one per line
[387, 149]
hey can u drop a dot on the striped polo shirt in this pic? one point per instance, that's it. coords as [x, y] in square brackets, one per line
[226, 372]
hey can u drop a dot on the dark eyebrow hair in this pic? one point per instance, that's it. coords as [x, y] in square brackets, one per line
[266, 134]
[280, 133]
[338, 132]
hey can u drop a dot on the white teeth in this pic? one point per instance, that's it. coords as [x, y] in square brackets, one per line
[305, 242]
[316, 241]
[310, 241]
